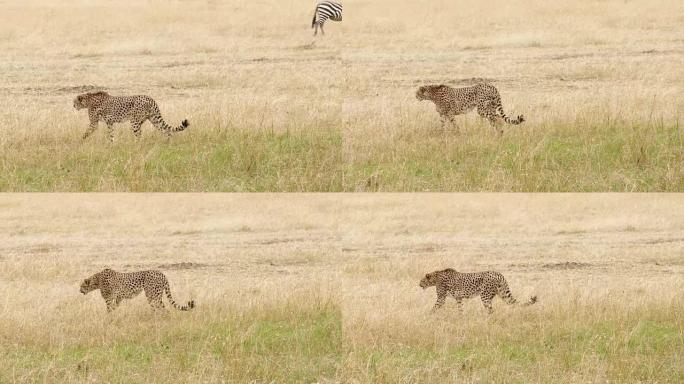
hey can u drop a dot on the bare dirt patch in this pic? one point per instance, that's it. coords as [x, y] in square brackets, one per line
[80, 88]
[184, 265]
[566, 265]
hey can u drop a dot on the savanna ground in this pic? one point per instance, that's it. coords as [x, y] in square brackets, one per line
[323, 288]
[273, 109]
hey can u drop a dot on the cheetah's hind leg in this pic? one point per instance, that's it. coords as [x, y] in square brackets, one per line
[487, 301]
[486, 112]
[155, 300]
[136, 126]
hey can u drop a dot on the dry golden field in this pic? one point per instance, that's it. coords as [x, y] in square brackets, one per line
[324, 288]
[273, 109]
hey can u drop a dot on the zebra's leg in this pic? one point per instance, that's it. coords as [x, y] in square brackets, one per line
[322, 31]
[315, 29]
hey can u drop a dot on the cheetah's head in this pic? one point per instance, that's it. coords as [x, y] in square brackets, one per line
[86, 100]
[426, 91]
[89, 284]
[79, 102]
[93, 282]
[429, 280]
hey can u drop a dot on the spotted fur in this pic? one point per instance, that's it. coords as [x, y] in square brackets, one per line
[117, 109]
[116, 286]
[466, 285]
[451, 102]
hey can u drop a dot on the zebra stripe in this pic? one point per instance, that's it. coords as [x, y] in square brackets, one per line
[326, 10]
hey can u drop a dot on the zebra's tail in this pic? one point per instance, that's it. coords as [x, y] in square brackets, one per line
[313, 21]
[189, 306]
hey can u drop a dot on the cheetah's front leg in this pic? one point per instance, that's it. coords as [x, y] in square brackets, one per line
[91, 128]
[444, 119]
[459, 303]
[452, 120]
[94, 119]
[112, 303]
[441, 297]
[110, 132]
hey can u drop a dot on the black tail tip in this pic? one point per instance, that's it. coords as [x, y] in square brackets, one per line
[185, 123]
[521, 118]
[191, 304]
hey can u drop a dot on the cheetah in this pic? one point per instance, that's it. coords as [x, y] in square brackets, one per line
[117, 109]
[115, 286]
[451, 102]
[466, 285]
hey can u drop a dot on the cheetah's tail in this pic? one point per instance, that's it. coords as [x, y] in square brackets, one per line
[159, 122]
[532, 300]
[506, 295]
[517, 121]
[189, 306]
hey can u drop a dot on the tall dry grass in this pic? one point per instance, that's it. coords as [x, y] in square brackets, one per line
[317, 288]
[273, 109]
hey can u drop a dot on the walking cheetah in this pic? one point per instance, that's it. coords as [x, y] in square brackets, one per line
[466, 285]
[117, 109]
[116, 286]
[451, 102]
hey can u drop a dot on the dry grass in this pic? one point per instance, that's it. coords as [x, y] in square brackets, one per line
[273, 110]
[317, 288]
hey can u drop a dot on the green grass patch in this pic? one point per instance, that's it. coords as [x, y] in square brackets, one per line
[578, 157]
[554, 158]
[294, 343]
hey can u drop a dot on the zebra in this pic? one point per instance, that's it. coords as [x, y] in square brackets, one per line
[325, 10]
